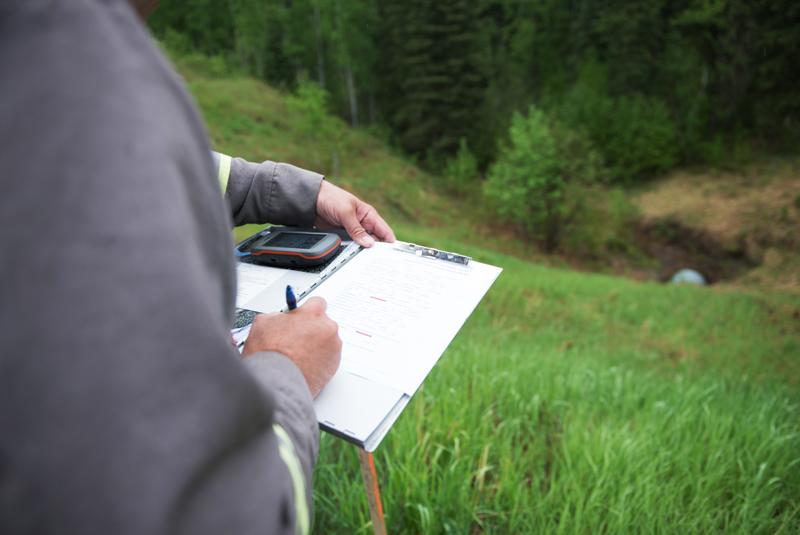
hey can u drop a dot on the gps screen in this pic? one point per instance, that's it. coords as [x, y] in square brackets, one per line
[294, 240]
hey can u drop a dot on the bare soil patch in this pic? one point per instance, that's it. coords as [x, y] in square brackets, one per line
[739, 226]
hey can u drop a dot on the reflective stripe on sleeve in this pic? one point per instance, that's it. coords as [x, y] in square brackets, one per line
[286, 451]
[223, 171]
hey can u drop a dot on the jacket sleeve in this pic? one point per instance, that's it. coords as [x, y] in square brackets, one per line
[268, 192]
[295, 422]
[290, 448]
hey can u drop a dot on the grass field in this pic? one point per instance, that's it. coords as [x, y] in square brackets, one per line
[569, 402]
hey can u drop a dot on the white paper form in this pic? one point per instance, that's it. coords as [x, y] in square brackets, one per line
[263, 288]
[398, 312]
[251, 280]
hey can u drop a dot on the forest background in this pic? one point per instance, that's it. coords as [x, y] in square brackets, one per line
[608, 92]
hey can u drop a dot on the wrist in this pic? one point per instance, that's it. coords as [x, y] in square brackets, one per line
[324, 185]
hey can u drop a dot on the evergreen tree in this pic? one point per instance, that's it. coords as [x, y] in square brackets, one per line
[437, 72]
[432, 82]
[207, 24]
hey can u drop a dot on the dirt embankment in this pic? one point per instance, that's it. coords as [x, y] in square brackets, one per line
[742, 227]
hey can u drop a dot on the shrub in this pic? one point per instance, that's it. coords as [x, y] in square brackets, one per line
[321, 130]
[461, 172]
[529, 183]
[640, 140]
[176, 42]
[635, 134]
[603, 224]
[179, 45]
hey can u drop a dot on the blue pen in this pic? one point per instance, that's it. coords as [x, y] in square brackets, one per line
[291, 300]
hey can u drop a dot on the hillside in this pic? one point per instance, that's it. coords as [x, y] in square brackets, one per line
[249, 119]
[737, 227]
[570, 402]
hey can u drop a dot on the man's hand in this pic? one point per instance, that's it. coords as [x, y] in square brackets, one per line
[306, 335]
[339, 208]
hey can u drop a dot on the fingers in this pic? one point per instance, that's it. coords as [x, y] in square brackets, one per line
[378, 227]
[370, 224]
[332, 330]
[337, 207]
[353, 227]
[315, 305]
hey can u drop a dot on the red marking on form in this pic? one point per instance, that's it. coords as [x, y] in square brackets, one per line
[377, 298]
[364, 334]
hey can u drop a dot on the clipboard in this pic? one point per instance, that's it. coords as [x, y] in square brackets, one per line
[398, 307]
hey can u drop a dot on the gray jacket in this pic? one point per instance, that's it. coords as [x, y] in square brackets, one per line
[123, 406]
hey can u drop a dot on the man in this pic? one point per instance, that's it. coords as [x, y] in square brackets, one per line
[123, 406]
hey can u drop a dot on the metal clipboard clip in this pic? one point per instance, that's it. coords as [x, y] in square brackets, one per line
[430, 252]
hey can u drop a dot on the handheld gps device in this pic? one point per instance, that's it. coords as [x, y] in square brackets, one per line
[290, 247]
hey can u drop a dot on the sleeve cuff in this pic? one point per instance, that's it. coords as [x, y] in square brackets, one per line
[294, 407]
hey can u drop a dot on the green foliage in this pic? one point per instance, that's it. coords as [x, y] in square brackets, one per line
[209, 29]
[683, 91]
[635, 134]
[310, 101]
[580, 161]
[603, 226]
[748, 75]
[712, 151]
[526, 184]
[653, 83]
[321, 131]
[461, 172]
[252, 43]
[431, 80]
[530, 181]
[281, 42]
[640, 140]
[177, 43]
[623, 212]
[622, 220]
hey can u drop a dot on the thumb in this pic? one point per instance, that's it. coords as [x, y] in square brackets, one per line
[353, 227]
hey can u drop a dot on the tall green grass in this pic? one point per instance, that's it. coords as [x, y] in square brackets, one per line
[581, 403]
[569, 402]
